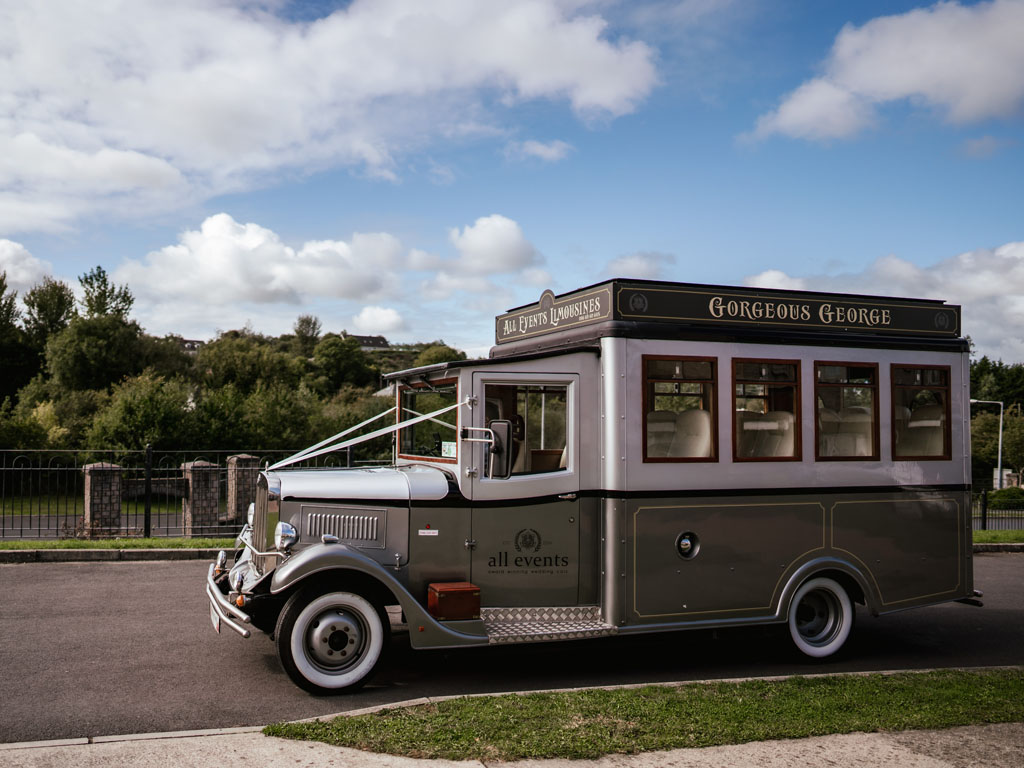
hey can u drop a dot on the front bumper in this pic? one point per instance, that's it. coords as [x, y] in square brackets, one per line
[222, 610]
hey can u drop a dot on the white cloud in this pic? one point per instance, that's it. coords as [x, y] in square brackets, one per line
[777, 279]
[549, 152]
[985, 146]
[226, 273]
[987, 282]
[378, 320]
[819, 110]
[492, 245]
[225, 261]
[444, 284]
[24, 271]
[537, 276]
[965, 61]
[149, 104]
[642, 265]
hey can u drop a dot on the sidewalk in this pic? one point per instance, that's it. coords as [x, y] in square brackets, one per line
[997, 746]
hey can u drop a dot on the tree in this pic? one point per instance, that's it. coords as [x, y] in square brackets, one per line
[343, 362]
[438, 353]
[220, 419]
[17, 431]
[307, 334]
[996, 380]
[9, 312]
[94, 352]
[146, 409]
[166, 357]
[247, 361]
[985, 443]
[50, 306]
[18, 361]
[103, 297]
[277, 416]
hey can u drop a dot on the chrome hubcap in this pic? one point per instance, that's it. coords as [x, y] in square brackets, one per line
[335, 639]
[818, 617]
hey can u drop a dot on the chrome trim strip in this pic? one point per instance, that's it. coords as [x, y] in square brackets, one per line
[264, 554]
[224, 609]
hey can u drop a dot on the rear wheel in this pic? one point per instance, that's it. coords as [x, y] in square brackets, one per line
[820, 617]
[331, 642]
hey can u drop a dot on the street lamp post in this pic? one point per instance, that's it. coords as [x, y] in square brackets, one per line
[1000, 459]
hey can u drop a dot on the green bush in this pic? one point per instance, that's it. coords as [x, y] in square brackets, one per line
[1008, 498]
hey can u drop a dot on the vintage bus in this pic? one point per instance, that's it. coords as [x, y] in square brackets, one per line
[633, 456]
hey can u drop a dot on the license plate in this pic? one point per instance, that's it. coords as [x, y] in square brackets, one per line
[214, 618]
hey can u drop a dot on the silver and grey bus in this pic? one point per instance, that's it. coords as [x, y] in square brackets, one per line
[632, 457]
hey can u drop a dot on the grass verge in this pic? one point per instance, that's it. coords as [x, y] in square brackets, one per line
[128, 543]
[999, 537]
[589, 724]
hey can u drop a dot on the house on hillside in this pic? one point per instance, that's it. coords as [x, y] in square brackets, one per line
[368, 343]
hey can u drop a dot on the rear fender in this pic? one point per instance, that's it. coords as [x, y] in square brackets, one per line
[321, 559]
[849, 576]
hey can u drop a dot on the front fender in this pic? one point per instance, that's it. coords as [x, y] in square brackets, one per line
[321, 558]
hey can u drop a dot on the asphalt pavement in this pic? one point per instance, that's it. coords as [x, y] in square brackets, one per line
[93, 650]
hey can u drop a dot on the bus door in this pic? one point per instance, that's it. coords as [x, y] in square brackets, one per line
[525, 527]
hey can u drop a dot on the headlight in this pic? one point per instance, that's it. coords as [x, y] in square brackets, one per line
[284, 536]
[237, 578]
[250, 514]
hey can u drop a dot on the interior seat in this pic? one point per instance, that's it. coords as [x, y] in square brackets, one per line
[693, 435]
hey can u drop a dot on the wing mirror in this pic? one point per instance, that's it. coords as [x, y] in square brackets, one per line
[499, 459]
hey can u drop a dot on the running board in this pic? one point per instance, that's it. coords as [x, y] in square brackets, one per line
[536, 625]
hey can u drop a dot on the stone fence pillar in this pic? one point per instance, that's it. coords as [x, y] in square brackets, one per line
[243, 471]
[102, 499]
[201, 504]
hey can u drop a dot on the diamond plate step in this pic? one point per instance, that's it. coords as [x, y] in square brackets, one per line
[526, 625]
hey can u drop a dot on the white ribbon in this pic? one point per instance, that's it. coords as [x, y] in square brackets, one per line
[312, 452]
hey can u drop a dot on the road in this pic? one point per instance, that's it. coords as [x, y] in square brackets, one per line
[92, 649]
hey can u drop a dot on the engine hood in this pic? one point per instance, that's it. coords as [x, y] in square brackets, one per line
[414, 483]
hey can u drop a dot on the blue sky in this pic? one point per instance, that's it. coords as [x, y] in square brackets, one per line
[413, 169]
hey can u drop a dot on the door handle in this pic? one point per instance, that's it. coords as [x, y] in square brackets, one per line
[567, 496]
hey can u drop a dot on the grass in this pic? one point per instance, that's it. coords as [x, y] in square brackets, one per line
[127, 543]
[584, 725]
[999, 537]
[67, 506]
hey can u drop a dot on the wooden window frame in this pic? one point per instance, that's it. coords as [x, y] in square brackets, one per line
[947, 433]
[458, 419]
[797, 416]
[875, 430]
[713, 399]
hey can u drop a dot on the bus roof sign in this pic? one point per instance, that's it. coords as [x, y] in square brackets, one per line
[703, 305]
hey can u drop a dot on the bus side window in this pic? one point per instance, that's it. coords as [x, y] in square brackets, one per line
[539, 417]
[920, 404]
[766, 410]
[847, 419]
[679, 409]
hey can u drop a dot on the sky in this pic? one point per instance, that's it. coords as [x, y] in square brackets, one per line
[413, 169]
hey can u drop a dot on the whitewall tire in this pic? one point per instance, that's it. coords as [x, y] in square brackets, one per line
[820, 617]
[331, 642]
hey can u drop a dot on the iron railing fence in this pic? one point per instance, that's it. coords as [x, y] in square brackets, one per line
[991, 516]
[42, 493]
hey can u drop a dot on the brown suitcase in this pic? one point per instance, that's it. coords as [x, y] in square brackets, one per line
[453, 600]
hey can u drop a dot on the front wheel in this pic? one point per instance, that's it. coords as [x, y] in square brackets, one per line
[330, 642]
[820, 617]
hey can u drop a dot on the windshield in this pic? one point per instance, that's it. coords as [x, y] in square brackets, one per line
[437, 437]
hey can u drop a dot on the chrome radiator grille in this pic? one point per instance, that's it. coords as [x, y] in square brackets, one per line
[259, 521]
